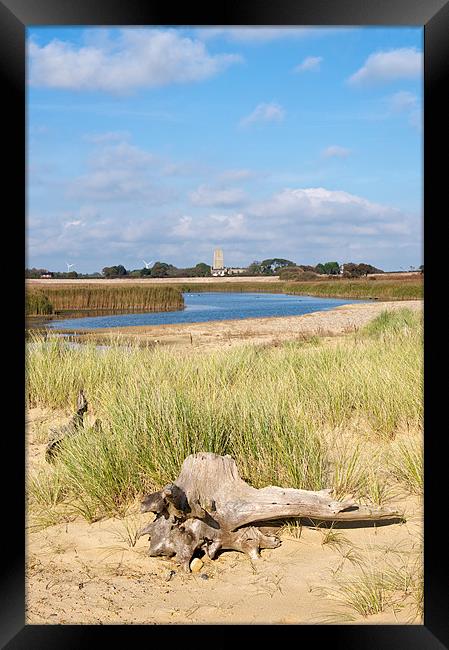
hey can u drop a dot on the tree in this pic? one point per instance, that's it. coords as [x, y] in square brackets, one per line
[35, 273]
[161, 270]
[297, 273]
[272, 266]
[332, 268]
[328, 268]
[255, 268]
[352, 270]
[114, 271]
[202, 270]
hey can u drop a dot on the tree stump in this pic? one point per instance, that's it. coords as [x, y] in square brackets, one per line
[209, 507]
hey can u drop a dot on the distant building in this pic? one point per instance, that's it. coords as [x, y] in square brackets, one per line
[218, 263]
[218, 259]
[47, 275]
[219, 269]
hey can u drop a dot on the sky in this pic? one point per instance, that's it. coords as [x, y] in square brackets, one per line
[164, 143]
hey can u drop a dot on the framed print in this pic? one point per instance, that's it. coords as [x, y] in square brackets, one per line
[224, 371]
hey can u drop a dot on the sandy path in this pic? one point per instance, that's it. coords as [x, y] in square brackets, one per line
[219, 334]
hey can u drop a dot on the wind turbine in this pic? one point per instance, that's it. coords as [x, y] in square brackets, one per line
[69, 266]
[148, 264]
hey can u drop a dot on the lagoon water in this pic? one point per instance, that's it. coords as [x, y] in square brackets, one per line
[211, 306]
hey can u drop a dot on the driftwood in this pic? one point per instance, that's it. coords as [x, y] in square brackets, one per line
[210, 508]
[57, 435]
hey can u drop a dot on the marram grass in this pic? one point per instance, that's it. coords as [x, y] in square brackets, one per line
[272, 409]
[375, 587]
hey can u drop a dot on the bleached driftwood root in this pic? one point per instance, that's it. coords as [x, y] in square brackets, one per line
[75, 423]
[209, 507]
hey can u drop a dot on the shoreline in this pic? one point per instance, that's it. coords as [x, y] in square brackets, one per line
[269, 331]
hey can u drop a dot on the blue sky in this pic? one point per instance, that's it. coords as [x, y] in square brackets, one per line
[165, 143]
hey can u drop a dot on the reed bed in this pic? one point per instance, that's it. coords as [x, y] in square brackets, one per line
[37, 304]
[360, 289]
[112, 298]
[277, 411]
[409, 288]
[167, 297]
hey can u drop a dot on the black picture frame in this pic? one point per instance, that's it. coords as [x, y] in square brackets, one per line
[433, 16]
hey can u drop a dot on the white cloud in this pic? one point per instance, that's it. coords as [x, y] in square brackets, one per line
[138, 58]
[271, 112]
[255, 34]
[303, 224]
[402, 101]
[403, 63]
[309, 63]
[416, 119]
[335, 151]
[39, 129]
[120, 172]
[406, 103]
[210, 196]
[232, 228]
[109, 136]
[237, 175]
[183, 227]
[121, 156]
[320, 205]
[118, 185]
[306, 225]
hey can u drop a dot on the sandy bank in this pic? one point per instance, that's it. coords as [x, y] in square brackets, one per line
[87, 573]
[216, 334]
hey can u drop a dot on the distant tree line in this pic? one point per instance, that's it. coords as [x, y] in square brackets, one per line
[270, 266]
[285, 269]
[158, 270]
[33, 274]
[307, 272]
